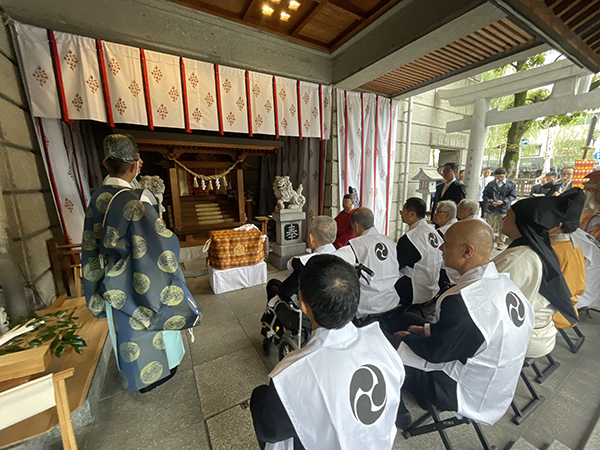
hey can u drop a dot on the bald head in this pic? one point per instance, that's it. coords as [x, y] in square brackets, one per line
[468, 244]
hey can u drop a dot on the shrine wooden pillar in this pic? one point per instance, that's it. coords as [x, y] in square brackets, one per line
[175, 199]
[240, 194]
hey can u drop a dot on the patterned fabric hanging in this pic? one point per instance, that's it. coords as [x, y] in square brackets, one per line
[310, 109]
[368, 168]
[38, 71]
[354, 148]
[232, 89]
[81, 77]
[385, 164]
[125, 83]
[261, 103]
[326, 110]
[164, 89]
[287, 106]
[201, 95]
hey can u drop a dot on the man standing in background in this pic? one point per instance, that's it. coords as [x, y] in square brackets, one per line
[344, 227]
[498, 196]
[450, 188]
[485, 178]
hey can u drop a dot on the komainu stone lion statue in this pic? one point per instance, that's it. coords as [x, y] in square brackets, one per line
[287, 198]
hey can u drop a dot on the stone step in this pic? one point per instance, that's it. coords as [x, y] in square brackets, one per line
[556, 445]
[522, 444]
[593, 441]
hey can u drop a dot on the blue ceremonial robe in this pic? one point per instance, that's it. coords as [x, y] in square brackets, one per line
[132, 276]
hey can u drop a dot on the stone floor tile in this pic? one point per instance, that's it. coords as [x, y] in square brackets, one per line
[269, 361]
[214, 341]
[251, 325]
[215, 311]
[229, 380]
[134, 420]
[247, 303]
[112, 385]
[232, 430]
[186, 362]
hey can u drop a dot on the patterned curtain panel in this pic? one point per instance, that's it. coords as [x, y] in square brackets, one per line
[73, 169]
[367, 126]
[302, 161]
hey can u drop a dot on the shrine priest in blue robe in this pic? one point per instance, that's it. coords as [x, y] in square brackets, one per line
[131, 273]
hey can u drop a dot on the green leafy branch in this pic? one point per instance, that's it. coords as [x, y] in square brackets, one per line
[59, 327]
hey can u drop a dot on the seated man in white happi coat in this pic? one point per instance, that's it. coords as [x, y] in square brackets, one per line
[376, 252]
[468, 210]
[419, 257]
[321, 234]
[445, 216]
[591, 252]
[340, 391]
[469, 359]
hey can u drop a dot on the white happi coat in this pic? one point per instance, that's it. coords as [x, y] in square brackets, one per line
[323, 249]
[525, 269]
[486, 383]
[342, 390]
[426, 273]
[443, 229]
[591, 251]
[377, 252]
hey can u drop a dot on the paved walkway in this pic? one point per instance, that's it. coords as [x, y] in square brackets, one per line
[205, 406]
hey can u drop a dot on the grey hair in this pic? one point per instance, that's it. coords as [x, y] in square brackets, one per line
[324, 229]
[471, 204]
[447, 206]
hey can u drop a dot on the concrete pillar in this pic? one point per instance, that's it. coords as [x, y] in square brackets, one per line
[476, 147]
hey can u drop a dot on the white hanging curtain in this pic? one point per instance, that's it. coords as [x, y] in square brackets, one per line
[234, 108]
[262, 103]
[163, 78]
[367, 126]
[287, 106]
[67, 153]
[201, 95]
[125, 82]
[310, 110]
[326, 111]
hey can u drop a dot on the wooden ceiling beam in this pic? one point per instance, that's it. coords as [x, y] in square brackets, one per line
[348, 9]
[315, 9]
[248, 10]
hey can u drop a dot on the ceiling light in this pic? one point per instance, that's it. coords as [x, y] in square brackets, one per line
[267, 10]
[277, 2]
[294, 5]
[284, 16]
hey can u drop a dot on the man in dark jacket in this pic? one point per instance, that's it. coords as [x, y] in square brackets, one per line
[498, 195]
[450, 189]
[539, 190]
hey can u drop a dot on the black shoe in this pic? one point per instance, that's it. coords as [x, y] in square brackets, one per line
[403, 419]
[159, 382]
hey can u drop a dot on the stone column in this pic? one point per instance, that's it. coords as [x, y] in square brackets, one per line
[476, 147]
[288, 237]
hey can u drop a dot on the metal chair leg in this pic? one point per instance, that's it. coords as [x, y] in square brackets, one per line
[542, 375]
[521, 414]
[484, 442]
[573, 346]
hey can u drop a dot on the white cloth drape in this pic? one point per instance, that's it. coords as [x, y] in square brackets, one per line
[125, 83]
[164, 86]
[261, 103]
[68, 154]
[326, 111]
[287, 106]
[232, 89]
[310, 110]
[367, 126]
[201, 95]
[37, 70]
[26, 400]
[81, 80]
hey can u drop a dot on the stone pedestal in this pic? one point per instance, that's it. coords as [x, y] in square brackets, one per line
[288, 243]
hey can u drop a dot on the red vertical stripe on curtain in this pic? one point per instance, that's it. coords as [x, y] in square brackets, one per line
[299, 109]
[362, 148]
[275, 105]
[321, 177]
[101, 60]
[53, 181]
[249, 104]
[321, 110]
[147, 90]
[218, 81]
[346, 143]
[375, 152]
[186, 108]
[387, 207]
[59, 80]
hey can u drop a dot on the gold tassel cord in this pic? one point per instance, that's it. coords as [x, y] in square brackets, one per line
[216, 176]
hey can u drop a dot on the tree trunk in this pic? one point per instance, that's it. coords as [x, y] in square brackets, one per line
[513, 139]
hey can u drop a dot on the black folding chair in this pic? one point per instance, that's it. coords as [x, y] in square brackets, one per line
[542, 375]
[573, 346]
[418, 428]
[523, 413]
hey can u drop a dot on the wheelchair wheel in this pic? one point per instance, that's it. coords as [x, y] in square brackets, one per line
[285, 347]
[267, 346]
